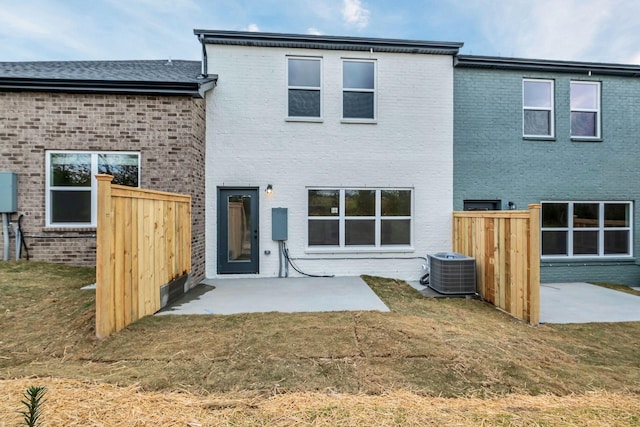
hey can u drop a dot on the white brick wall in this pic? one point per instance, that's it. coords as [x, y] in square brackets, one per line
[250, 144]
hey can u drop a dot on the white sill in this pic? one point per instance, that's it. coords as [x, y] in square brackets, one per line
[305, 119]
[578, 259]
[360, 250]
[360, 121]
[54, 228]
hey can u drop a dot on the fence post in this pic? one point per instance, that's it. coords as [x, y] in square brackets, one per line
[534, 263]
[105, 322]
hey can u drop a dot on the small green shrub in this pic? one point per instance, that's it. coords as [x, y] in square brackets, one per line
[34, 398]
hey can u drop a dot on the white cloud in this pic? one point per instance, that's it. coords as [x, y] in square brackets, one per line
[314, 31]
[582, 30]
[355, 14]
[253, 27]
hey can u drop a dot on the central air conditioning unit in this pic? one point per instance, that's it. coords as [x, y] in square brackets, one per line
[452, 274]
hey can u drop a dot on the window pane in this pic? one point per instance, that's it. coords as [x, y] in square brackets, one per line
[324, 202]
[396, 232]
[360, 202]
[357, 105]
[360, 232]
[396, 202]
[324, 232]
[584, 96]
[537, 94]
[583, 124]
[123, 167]
[304, 103]
[585, 242]
[616, 242]
[616, 215]
[554, 215]
[239, 228]
[537, 122]
[358, 75]
[304, 72]
[70, 206]
[585, 215]
[554, 243]
[70, 170]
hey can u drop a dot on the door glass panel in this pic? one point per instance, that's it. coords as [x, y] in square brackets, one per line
[239, 214]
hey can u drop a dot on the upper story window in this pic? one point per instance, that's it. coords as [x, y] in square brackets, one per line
[358, 89]
[304, 83]
[537, 108]
[585, 109]
[359, 218]
[71, 188]
[586, 229]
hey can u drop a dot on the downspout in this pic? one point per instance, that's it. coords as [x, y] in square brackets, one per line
[205, 71]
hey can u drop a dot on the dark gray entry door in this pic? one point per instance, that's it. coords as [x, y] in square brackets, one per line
[238, 230]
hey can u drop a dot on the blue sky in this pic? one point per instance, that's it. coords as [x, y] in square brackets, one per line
[578, 30]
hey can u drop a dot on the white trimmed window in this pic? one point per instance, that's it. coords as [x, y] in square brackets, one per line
[359, 218]
[358, 89]
[71, 188]
[586, 229]
[304, 87]
[585, 109]
[537, 108]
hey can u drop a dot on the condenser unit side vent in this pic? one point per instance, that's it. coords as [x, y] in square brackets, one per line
[452, 273]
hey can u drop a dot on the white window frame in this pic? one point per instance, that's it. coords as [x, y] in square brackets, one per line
[374, 91]
[379, 218]
[93, 188]
[600, 229]
[317, 88]
[596, 110]
[550, 109]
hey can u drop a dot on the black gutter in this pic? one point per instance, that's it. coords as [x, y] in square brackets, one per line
[194, 89]
[522, 64]
[306, 41]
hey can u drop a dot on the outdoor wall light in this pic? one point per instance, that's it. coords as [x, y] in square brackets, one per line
[269, 189]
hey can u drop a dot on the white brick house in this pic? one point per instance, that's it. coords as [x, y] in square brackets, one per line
[355, 137]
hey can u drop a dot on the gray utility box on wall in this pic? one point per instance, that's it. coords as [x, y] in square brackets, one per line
[451, 273]
[279, 224]
[8, 192]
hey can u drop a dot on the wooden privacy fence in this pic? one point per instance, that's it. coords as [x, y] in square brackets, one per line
[143, 243]
[506, 247]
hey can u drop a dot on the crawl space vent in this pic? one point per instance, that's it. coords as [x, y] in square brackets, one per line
[452, 273]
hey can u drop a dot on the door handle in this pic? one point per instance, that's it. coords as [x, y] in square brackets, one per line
[255, 234]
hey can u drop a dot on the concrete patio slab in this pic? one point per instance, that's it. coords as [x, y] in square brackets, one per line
[586, 303]
[287, 295]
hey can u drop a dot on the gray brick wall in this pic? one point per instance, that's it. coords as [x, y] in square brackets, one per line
[493, 161]
[168, 131]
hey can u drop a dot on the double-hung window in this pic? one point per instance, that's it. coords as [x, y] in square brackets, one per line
[537, 108]
[304, 87]
[586, 229]
[358, 89]
[71, 189]
[365, 217]
[585, 109]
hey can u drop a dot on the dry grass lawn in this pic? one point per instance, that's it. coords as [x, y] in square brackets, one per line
[428, 362]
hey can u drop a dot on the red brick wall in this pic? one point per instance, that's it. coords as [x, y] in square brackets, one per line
[169, 132]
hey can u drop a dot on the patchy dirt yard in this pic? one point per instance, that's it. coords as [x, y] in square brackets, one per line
[428, 362]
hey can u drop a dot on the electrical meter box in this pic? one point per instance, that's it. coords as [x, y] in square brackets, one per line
[279, 223]
[8, 192]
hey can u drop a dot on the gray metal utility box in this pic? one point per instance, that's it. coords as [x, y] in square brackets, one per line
[8, 192]
[279, 224]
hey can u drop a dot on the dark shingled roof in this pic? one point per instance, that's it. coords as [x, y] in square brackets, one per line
[143, 77]
[307, 41]
[545, 65]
